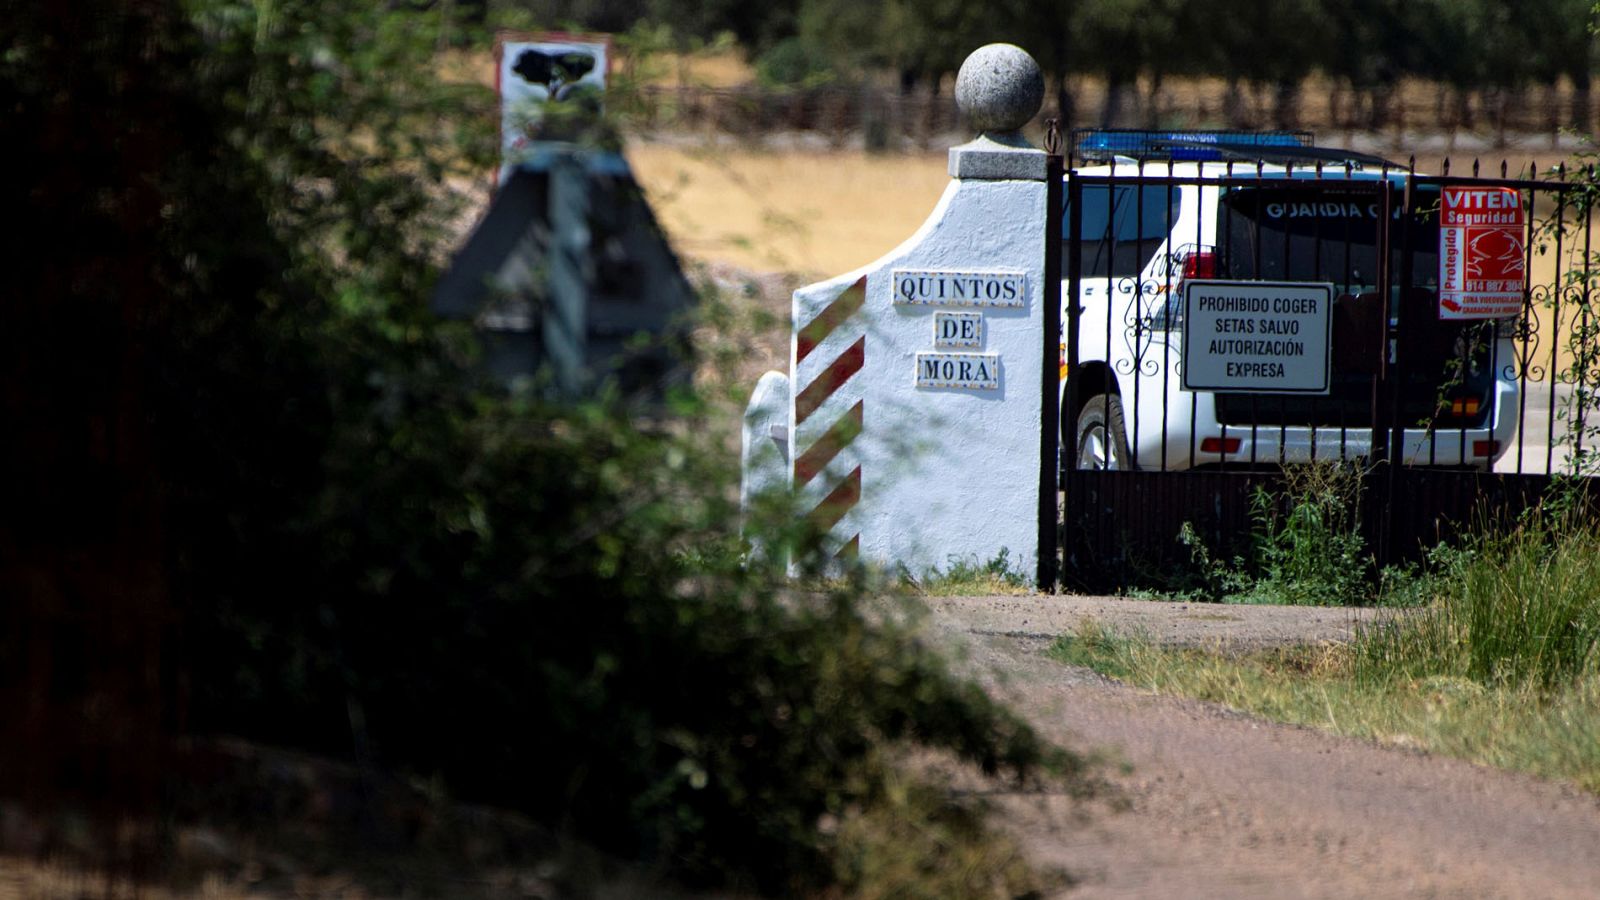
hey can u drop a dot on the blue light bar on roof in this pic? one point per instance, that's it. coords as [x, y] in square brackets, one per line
[1185, 146]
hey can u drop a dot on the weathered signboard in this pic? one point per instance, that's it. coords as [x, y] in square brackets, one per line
[1481, 252]
[1258, 337]
[535, 71]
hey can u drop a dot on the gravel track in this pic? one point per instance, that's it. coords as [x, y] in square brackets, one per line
[1210, 802]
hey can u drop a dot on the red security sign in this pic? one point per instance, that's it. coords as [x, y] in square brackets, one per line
[1482, 257]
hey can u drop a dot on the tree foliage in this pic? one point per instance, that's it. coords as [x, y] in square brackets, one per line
[264, 476]
[1364, 45]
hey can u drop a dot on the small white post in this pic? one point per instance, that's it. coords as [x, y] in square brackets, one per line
[765, 452]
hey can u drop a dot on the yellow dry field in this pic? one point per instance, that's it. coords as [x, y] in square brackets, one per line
[816, 213]
[719, 69]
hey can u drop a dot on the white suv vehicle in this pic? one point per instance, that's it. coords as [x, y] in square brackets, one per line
[1147, 227]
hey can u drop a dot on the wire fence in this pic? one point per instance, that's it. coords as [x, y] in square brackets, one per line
[882, 115]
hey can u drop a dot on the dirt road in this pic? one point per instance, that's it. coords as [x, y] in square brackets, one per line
[1220, 804]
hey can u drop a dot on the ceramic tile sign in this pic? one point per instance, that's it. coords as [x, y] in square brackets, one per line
[1481, 252]
[534, 73]
[999, 289]
[925, 287]
[971, 371]
[958, 330]
[1256, 337]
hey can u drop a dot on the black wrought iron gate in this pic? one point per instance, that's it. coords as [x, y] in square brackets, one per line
[1442, 417]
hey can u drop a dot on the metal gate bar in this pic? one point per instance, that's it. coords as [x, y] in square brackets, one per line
[1121, 521]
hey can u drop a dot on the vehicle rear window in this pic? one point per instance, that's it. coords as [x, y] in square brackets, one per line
[1122, 227]
[1321, 234]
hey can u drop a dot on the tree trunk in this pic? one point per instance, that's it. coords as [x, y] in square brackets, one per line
[1582, 113]
[1502, 108]
[1111, 111]
[1233, 103]
[1066, 106]
[1116, 100]
[1464, 117]
[1152, 104]
[1378, 100]
[1286, 107]
[1552, 112]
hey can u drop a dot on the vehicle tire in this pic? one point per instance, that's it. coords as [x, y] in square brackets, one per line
[1103, 435]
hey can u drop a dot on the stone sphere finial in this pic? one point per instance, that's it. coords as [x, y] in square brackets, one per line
[999, 88]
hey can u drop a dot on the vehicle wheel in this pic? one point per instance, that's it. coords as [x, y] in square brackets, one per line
[1102, 435]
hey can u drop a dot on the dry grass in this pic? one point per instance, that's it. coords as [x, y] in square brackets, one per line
[712, 69]
[812, 212]
[723, 68]
[465, 67]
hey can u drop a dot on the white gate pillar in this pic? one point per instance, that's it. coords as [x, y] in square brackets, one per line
[914, 424]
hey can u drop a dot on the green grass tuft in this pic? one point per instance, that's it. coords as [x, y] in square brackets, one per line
[967, 577]
[1519, 609]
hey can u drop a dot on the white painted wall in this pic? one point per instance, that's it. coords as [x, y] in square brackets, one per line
[946, 473]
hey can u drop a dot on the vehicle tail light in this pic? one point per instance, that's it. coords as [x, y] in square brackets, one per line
[1485, 448]
[1464, 406]
[1200, 264]
[1219, 445]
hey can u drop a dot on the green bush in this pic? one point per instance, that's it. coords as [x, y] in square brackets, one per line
[1306, 547]
[550, 609]
[1313, 552]
[365, 549]
[795, 62]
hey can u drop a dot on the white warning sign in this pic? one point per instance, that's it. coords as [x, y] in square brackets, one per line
[1482, 256]
[534, 73]
[1257, 337]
